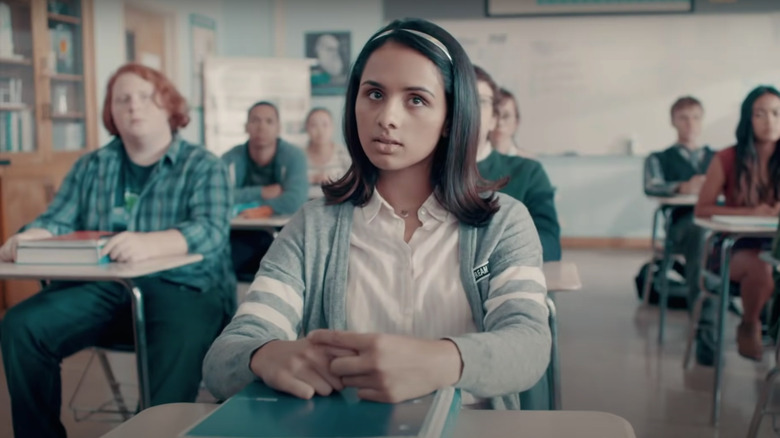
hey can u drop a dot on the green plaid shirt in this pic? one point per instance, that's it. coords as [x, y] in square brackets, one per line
[189, 190]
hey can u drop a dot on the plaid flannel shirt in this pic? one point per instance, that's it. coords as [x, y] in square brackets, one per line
[189, 190]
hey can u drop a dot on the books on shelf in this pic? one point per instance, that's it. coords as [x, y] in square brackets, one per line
[747, 221]
[79, 248]
[259, 411]
[17, 131]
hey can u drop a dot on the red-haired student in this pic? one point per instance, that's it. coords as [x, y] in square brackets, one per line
[164, 197]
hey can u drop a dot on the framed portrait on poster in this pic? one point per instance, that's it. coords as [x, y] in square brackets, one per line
[331, 52]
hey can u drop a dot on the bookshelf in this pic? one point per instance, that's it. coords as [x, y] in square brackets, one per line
[48, 109]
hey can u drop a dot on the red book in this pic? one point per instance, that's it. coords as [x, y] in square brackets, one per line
[78, 239]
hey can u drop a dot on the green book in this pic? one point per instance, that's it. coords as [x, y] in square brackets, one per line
[261, 412]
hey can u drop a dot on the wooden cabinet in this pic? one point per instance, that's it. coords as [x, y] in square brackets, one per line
[48, 108]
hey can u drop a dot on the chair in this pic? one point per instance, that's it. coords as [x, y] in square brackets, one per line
[117, 404]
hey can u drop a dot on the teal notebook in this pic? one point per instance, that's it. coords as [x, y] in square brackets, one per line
[261, 412]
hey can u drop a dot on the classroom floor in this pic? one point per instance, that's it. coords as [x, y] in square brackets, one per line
[609, 355]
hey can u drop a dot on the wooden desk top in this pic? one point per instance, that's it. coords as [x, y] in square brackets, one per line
[679, 200]
[273, 222]
[561, 276]
[108, 271]
[722, 227]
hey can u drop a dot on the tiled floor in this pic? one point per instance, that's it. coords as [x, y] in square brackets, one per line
[609, 355]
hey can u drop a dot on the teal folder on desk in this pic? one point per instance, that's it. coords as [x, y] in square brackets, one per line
[261, 412]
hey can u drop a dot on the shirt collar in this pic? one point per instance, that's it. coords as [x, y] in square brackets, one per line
[377, 203]
[116, 147]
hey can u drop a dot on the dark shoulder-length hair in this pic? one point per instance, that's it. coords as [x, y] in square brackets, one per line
[751, 189]
[458, 186]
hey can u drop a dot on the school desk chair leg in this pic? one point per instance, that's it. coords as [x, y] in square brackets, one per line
[651, 269]
[119, 400]
[141, 352]
[762, 403]
[554, 385]
[666, 264]
[723, 300]
[693, 327]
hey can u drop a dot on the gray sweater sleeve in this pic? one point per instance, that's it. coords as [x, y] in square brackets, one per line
[271, 310]
[513, 351]
[654, 180]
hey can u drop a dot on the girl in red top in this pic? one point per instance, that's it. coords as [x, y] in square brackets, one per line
[748, 174]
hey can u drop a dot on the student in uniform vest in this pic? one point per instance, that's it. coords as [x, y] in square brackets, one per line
[748, 175]
[529, 184]
[165, 197]
[679, 170]
[527, 180]
[412, 274]
[270, 178]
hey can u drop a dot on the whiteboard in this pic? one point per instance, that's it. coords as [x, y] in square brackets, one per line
[232, 85]
[592, 85]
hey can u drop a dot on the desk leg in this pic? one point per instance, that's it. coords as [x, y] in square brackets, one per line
[650, 274]
[555, 375]
[141, 352]
[666, 263]
[725, 261]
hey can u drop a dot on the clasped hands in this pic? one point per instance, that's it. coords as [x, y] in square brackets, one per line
[384, 368]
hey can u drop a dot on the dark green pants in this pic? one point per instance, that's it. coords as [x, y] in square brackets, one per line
[64, 318]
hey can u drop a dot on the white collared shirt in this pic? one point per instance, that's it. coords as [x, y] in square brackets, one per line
[413, 288]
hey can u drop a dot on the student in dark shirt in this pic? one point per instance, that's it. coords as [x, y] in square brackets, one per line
[528, 182]
[270, 178]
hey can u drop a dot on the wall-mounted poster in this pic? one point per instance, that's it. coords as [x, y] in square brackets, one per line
[331, 52]
[497, 8]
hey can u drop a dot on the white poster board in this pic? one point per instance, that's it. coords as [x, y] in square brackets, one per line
[232, 85]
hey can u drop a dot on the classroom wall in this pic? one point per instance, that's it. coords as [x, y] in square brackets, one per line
[598, 196]
[469, 9]
[110, 43]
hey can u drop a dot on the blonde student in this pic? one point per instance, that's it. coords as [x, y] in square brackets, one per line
[411, 274]
[748, 175]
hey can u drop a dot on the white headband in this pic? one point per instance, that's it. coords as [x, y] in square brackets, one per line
[433, 40]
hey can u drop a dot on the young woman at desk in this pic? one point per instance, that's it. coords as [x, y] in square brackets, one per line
[748, 175]
[421, 276]
[328, 161]
[165, 197]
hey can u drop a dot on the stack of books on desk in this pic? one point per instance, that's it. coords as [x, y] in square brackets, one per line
[259, 411]
[79, 248]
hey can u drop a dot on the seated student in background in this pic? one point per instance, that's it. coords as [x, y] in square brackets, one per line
[502, 138]
[165, 197]
[748, 175]
[270, 179]
[327, 160]
[679, 170]
[528, 182]
[412, 274]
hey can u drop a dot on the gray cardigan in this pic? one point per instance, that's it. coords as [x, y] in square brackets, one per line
[508, 355]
